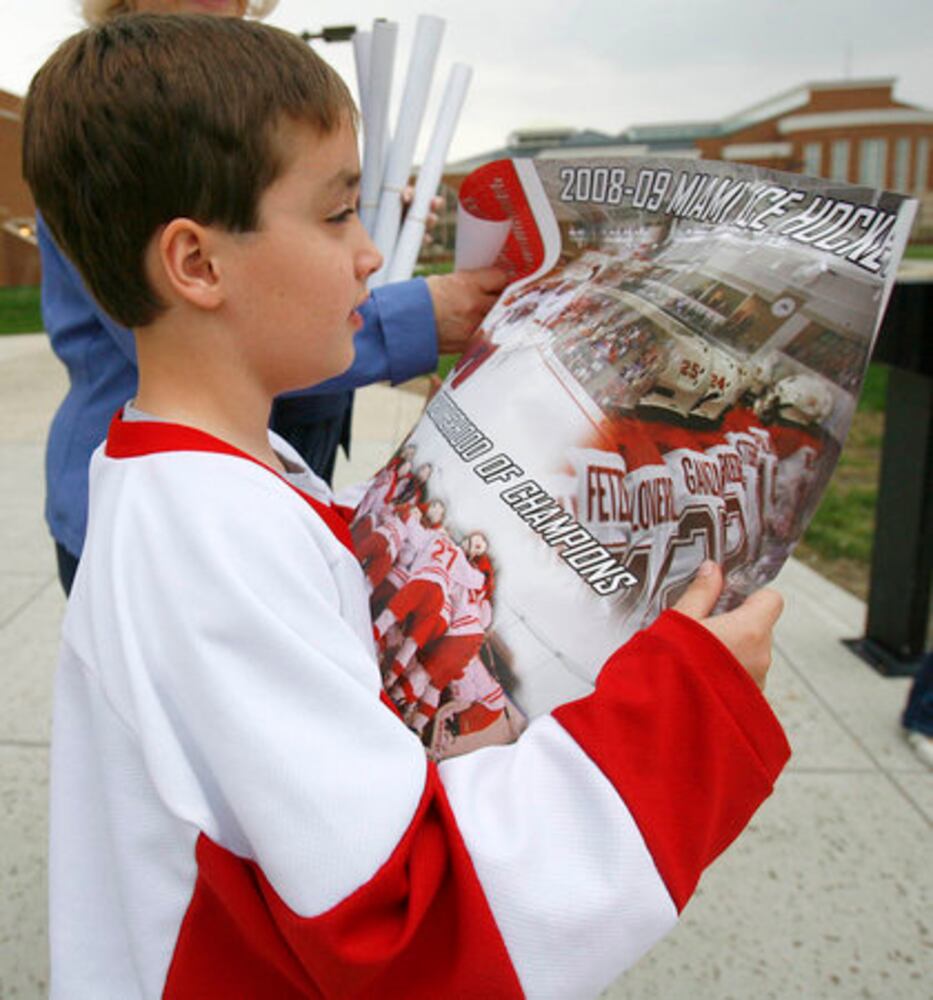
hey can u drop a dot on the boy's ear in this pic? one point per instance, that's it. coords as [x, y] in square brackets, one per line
[190, 264]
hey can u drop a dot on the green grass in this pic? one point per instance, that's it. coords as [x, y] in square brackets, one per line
[444, 364]
[874, 389]
[839, 539]
[919, 251]
[19, 310]
[434, 267]
[844, 525]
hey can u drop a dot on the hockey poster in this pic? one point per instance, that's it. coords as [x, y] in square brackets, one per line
[669, 378]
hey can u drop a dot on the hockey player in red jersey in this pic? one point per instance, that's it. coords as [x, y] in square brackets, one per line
[793, 414]
[414, 487]
[446, 657]
[379, 550]
[423, 606]
[405, 545]
[383, 491]
[478, 713]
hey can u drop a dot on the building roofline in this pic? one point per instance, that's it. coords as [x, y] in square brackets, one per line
[665, 131]
[771, 107]
[854, 119]
[788, 100]
[856, 83]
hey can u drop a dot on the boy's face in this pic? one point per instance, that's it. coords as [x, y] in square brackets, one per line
[222, 8]
[297, 282]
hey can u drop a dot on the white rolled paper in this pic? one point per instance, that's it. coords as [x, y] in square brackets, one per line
[478, 240]
[429, 176]
[361, 46]
[427, 42]
[375, 132]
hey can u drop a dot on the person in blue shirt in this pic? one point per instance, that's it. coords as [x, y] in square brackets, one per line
[406, 325]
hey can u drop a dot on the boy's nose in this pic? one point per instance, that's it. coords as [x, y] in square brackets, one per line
[369, 259]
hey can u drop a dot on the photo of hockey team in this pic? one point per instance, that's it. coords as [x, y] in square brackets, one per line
[666, 392]
[431, 592]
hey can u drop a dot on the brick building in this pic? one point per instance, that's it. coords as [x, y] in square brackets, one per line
[19, 256]
[846, 130]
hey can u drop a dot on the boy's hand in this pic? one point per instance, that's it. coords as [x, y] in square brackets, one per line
[461, 301]
[746, 630]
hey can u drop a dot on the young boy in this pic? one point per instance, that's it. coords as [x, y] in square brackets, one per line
[236, 809]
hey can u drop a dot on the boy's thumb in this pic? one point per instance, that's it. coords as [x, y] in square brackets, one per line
[700, 597]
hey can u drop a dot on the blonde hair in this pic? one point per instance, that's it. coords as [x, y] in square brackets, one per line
[100, 11]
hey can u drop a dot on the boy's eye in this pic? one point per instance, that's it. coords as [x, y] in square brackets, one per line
[344, 215]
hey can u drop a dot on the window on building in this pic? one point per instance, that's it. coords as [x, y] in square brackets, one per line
[813, 158]
[871, 163]
[921, 165]
[839, 160]
[901, 164]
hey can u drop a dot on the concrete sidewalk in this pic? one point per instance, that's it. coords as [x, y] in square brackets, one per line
[827, 895]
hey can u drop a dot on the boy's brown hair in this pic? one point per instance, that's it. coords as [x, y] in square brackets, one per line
[148, 118]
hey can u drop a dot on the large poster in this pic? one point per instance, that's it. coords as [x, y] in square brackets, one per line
[669, 378]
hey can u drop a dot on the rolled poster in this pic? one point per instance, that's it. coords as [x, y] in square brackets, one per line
[427, 42]
[375, 131]
[362, 41]
[429, 176]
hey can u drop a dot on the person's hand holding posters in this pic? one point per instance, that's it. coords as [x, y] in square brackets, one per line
[746, 631]
[461, 300]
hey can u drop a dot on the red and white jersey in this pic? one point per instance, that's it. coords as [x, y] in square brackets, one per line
[444, 563]
[470, 610]
[411, 490]
[699, 485]
[797, 450]
[634, 440]
[612, 499]
[632, 511]
[416, 538]
[236, 810]
[477, 684]
[676, 514]
[393, 526]
[383, 488]
[743, 432]
[738, 508]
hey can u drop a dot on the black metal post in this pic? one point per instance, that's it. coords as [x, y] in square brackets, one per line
[902, 555]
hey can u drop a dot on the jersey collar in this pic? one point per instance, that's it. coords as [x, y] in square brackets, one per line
[136, 438]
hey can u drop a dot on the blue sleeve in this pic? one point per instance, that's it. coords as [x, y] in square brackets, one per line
[405, 311]
[100, 357]
[66, 302]
[397, 342]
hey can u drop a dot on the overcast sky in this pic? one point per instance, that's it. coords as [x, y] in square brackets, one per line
[602, 64]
